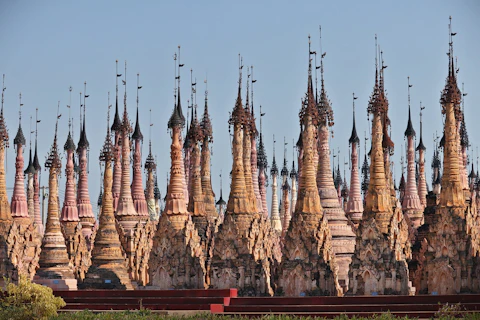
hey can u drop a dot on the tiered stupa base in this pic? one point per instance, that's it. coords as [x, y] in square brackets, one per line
[107, 276]
[57, 278]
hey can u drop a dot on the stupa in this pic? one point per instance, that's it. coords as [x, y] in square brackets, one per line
[77, 245]
[85, 212]
[177, 259]
[138, 194]
[245, 244]
[447, 248]
[55, 270]
[342, 234]
[308, 262]
[382, 232]
[108, 269]
[354, 208]
[411, 204]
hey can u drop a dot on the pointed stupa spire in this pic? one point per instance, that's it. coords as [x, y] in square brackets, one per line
[206, 123]
[137, 133]
[126, 213]
[377, 202]
[138, 193]
[409, 132]
[19, 139]
[421, 146]
[205, 171]
[220, 201]
[262, 161]
[29, 172]
[262, 164]
[365, 169]
[451, 194]
[83, 142]
[354, 136]
[5, 213]
[150, 161]
[69, 215]
[284, 172]
[19, 206]
[30, 168]
[3, 126]
[275, 214]
[411, 204]
[274, 167]
[238, 201]
[308, 202]
[177, 118]
[150, 167]
[117, 123]
[85, 212]
[175, 197]
[36, 182]
[354, 207]
[422, 182]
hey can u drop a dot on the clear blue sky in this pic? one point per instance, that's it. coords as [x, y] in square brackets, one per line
[48, 46]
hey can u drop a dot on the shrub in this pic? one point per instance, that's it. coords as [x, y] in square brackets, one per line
[27, 300]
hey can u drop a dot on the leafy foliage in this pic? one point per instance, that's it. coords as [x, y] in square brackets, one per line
[27, 300]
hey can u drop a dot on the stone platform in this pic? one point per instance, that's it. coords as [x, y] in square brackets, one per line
[227, 302]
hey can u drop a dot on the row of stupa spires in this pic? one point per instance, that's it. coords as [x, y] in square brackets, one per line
[321, 204]
[77, 205]
[279, 212]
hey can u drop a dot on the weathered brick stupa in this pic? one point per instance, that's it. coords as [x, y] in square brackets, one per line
[245, 242]
[109, 268]
[77, 246]
[285, 216]
[275, 218]
[117, 163]
[24, 241]
[208, 194]
[447, 248]
[422, 182]
[7, 269]
[293, 202]
[262, 165]
[308, 263]
[36, 185]
[135, 233]
[254, 153]
[85, 212]
[196, 203]
[342, 234]
[177, 259]
[55, 269]
[138, 193]
[19, 206]
[29, 172]
[378, 265]
[150, 167]
[411, 204]
[355, 202]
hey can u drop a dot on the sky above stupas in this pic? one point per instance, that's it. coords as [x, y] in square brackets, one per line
[48, 46]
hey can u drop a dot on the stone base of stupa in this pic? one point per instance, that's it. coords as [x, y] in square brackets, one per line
[177, 260]
[309, 265]
[107, 277]
[243, 258]
[57, 278]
